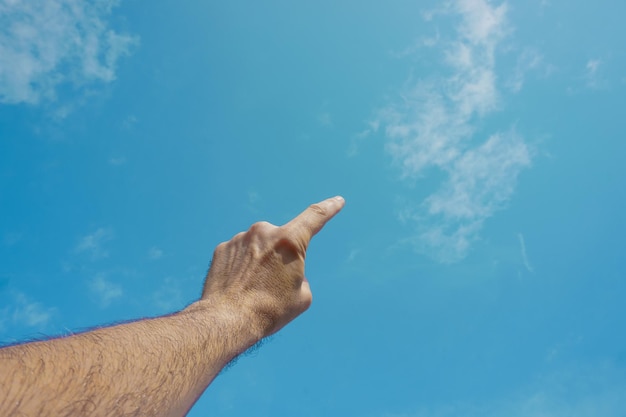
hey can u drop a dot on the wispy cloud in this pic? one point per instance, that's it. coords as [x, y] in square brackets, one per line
[105, 290]
[592, 73]
[48, 43]
[373, 126]
[436, 125]
[253, 197]
[30, 313]
[528, 60]
[580, 391]
[129, 122]
[155, 253]
[354, 253]
[117, 161]
[325, 119]
[23, 311]
[93, 244]
[522, 245]
[254, 200]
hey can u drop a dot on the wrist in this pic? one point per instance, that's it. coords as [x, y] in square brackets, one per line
[234, 325]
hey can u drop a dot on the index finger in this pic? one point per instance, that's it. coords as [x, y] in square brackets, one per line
[312, 220]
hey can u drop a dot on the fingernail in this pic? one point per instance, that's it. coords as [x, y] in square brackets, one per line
[340, 199]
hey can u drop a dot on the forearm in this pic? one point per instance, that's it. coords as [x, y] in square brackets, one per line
[159, 367]
[155, 367]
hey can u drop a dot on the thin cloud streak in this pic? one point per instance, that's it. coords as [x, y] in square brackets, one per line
[524, 254]
[435, 126]
[48, 43]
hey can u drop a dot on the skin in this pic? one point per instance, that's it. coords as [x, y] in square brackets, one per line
[160, 366]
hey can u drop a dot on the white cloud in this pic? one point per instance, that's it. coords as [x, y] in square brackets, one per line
[22, 311]
[580, 391]
[155, 253]
[117, 161]
[592, 66]
[105, 290]
[528, 60]
[30, 313]
[593, 76]
[354, 253]
[48, 43]
[522, 244]
[325, 119]
[435, 126]
[591, 73]
[253, 197]
[93, 243]
[482, 24]
[129, 122]
[373, 126]
[480, 180]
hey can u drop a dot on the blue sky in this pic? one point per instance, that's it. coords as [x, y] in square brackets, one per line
[477, 268]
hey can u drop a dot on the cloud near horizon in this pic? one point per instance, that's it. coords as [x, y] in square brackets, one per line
[580, 390]
[436, 125]
[45, 44]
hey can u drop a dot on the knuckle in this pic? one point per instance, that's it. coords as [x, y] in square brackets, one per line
[261, 227]
[307, 302]
[233, 241]
[286, 240]
[221, 248]
[290, 249]
[318, 209]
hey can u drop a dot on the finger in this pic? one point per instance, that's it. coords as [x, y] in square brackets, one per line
[313, 219]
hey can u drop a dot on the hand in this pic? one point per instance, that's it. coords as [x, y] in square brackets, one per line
[160, 366]
[261, 272]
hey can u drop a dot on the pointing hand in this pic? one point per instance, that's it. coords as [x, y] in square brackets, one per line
[260, 272]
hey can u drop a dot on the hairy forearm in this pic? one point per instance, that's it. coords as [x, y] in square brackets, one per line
[155, 367]
[159, 367]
